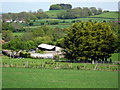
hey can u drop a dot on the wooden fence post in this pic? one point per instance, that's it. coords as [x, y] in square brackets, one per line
[26, 64]
[109, 67]
[67, 65]
[11, 64]
[71, 65]
[84, 65]
[96, 67]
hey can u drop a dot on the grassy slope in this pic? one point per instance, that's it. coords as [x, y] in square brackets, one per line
[53, 13]
[108, 15]
[68, 21]
[18, 33]
[50, 78]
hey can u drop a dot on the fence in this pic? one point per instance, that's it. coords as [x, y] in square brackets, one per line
[58, 65]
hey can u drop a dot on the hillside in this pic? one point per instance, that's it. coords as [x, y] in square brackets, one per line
[107, 15]
[53, 13]
[112, 15]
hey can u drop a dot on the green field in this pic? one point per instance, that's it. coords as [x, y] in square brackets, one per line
[84, 19]
[51, 78]
[53, 13]
[52, 64]
[52, 26]
[48, 77]
[18, 33]
[67, 23]
[108, 15]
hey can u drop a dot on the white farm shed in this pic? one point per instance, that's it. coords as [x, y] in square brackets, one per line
[49, 47]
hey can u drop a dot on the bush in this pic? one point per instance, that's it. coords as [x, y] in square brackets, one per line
[39, 51]
[56, 57]
[63, 21]
[53, 22]
[42, 23]
[24, 54]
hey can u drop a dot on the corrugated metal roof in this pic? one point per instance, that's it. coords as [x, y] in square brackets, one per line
[46, 46]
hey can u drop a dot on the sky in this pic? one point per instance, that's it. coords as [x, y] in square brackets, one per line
[16, 6]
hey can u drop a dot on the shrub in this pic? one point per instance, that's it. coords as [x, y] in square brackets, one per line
[39, 51]
[24, 54]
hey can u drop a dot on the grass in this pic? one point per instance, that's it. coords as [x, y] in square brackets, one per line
[51, 78]
[52, 26]
[48, 77]
[18, 33]
[67, 23]
[53, 13]
[107, 15]
[50, 64]
[84, 19]
[31, 27]
[60, 26]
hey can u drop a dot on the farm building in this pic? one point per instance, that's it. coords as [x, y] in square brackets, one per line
[10, 20]
[47, 47]
[49, 51]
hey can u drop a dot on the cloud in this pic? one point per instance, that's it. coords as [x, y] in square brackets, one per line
[60, 1]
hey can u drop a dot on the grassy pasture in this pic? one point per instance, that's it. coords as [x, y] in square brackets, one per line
[53, 13]
[48, 77]
[84, 19]
[60, 26]
[51, 64]
[54, 78]
[107, 15]
[52, 26]
[18, 33]
[67, 23]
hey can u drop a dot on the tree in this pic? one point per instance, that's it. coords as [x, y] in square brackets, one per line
[30, 45]
[38, 32]
[5, 26]
[41, 15]
[55, 7]
[99, 10]
[45, 28]
[31, 23]
[60, 6]
[89, 40]
[17, 44]
[65, 6]
[39, 10]
[87, 12]
[7, 35]
[14, 27]
[57, 33]
[60, 42]
[94, 10]
[27, 36]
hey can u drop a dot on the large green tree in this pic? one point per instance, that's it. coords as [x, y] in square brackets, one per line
[7, 35]
[55, 7]
[89, 40]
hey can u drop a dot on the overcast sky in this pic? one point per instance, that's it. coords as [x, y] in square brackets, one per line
[33, 5]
